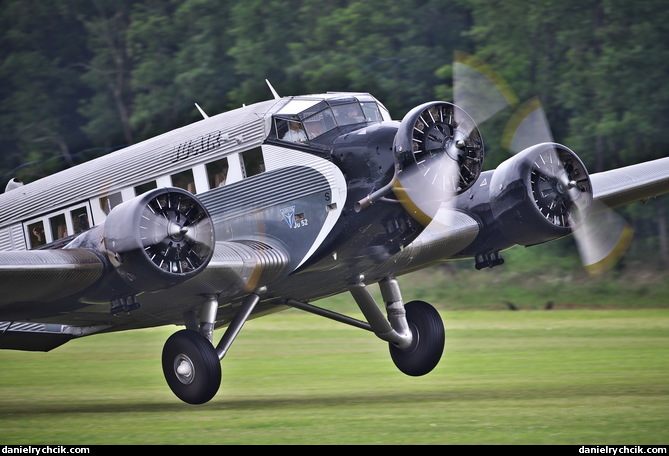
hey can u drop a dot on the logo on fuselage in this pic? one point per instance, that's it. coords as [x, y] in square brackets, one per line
[289, 215]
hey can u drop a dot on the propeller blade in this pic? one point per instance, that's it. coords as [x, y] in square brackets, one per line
[603, 240]
[478, 89]
[527, 126]
[438, 147]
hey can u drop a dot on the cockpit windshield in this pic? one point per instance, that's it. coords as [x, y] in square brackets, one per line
[302, 120]
[348, 114]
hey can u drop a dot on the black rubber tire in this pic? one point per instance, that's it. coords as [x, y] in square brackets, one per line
[428, 341]
[205, 378]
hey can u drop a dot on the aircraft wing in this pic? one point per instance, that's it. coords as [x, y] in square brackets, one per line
[45, 295]
[622, 186]
[29, 282]
[46, 275]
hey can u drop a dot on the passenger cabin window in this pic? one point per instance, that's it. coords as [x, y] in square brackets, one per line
[36, 235]
[217, 172]
[109, 202]
[58, 227]
[141, 189]
[252, 162]
[184, 180]
[80, 220]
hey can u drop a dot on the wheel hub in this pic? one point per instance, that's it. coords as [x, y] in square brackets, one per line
[184, 369]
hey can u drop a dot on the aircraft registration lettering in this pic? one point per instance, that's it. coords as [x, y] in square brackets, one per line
[198, 146]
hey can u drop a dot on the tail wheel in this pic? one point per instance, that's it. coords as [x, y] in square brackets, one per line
[191, 367]
[428, 341]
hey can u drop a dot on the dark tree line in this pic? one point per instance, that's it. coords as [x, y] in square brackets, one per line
[79, 78]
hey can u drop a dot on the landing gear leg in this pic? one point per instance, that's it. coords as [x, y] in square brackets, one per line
[415, 331]
[191, 364]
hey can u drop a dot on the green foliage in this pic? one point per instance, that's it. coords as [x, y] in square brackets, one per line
[78, 75]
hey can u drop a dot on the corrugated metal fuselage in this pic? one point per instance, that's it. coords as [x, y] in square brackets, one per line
[301, 201]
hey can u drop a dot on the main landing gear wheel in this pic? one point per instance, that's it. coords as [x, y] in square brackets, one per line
[428, 341]
[191, 367]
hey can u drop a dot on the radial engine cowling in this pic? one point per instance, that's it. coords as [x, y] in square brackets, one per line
[439, 154]
[542, 193]
[159, 239]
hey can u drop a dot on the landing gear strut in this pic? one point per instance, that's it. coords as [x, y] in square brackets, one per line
[414, 332]
[191, 364]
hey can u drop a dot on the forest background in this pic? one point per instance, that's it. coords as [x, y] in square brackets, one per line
[82, 78]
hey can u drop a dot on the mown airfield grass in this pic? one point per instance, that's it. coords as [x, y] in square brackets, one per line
[594, 370]
[528, 377]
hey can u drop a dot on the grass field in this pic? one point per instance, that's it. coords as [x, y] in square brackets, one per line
[526, 377]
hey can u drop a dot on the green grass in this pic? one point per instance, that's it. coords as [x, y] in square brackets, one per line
[527, 377]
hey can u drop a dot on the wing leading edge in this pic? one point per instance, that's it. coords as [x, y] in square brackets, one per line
[622, 186]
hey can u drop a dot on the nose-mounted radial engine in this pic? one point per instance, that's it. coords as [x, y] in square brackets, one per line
[439, 154]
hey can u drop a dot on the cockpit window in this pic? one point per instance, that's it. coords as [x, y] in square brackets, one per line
[291, 131]
[372, 113]
[347, 114]
[303, 120]
[320, 123]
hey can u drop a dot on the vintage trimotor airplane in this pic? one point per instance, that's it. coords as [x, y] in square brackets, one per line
[276, 205]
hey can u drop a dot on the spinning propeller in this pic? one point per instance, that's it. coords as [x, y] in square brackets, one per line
[159, 238]
[438, 146]
[563, 192]
[176, 232]
[440, 153]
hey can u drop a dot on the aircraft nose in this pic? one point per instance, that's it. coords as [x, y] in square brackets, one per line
[439, 152]
[176, 231]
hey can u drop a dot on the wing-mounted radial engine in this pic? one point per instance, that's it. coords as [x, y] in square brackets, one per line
[439, 154]
[539, 194]
[154, 241]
